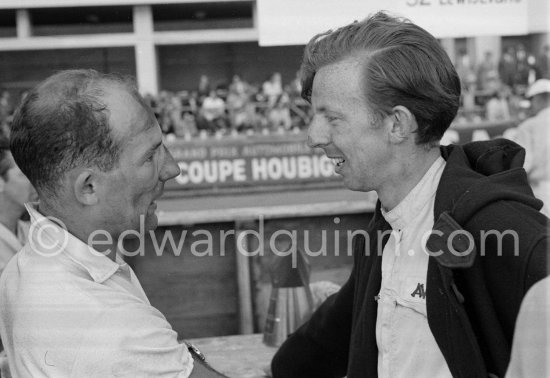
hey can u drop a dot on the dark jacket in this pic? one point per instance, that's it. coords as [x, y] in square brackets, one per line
[472, 301]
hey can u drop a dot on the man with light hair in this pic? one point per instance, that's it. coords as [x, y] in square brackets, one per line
[421, 299]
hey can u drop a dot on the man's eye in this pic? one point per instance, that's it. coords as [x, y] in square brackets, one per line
[150, 158]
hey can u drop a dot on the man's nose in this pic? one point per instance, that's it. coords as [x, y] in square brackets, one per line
[170, 168]
[317, 134]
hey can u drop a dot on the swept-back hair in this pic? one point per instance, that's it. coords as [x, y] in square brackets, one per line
[62, 124]
[403, 64]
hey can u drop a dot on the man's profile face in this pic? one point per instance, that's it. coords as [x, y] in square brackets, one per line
[129, 191]
[345, 128]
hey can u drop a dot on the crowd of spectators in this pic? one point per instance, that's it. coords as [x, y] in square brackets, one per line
[240, 107]
[493, 90]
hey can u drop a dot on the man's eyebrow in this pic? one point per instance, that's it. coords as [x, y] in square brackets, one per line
[153, 148]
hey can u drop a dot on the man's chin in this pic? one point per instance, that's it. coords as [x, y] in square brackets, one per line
[151, 222]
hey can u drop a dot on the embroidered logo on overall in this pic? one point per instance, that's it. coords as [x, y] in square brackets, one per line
[419, 291]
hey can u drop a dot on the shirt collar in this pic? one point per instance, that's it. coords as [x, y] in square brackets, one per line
[409, 208]
[48, 237]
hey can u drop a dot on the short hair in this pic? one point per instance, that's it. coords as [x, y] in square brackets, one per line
[403, 65]
[63, 124]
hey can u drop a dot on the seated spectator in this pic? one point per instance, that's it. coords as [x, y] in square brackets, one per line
[6, 106]
[496, 109]
[238, 85]
[487, 73]
[187, 127]
[272, 88]
[203, 89]
[279, 114]
[212, 113]
[239, 108]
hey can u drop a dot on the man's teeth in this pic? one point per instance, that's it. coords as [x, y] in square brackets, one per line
[338, 161]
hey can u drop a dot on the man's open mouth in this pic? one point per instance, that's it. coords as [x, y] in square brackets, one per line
[338, 161]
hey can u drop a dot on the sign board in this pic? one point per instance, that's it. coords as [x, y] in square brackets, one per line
[276, 161]
[290, 22]
[248, 162]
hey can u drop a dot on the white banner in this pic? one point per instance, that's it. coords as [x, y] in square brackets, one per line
[294, 22]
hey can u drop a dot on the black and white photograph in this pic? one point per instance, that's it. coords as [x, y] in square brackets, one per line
[274, 188]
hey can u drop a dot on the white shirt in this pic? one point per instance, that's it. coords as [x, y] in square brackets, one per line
[531, 342]
[10, 244]
[406, 346]
[534, 135]
[68, 311]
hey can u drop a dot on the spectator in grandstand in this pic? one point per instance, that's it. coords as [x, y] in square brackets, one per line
[521, 80]
[487, 74]
[496, 109]
[187, 127]
[212, 115]
[544, 62]
[278, 115]
[6, 108]
[507, 67]
[203, 89]
[418, 302]
[238, 85]
[71, 306]
[272, 88]
[466, 72]
[534, 135]
[239, 108]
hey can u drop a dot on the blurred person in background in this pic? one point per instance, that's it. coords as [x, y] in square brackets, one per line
[71, 306]
[418, 302]
[272, 88]
[487, 73]
[6, 106]
[15, 191]
[544, 62]
[278, 115]
[534, 135]
[496, 109]
[238, 105]
[203, 88]
[212, 113]
[521, 79]
[507, 67]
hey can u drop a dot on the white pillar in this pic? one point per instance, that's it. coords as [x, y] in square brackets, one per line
[483, 44]
[23, 23]
[448, 45]
[146, 56]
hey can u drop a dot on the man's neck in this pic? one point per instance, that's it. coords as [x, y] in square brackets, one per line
[406, 175]
[100, 242]
[9, 221]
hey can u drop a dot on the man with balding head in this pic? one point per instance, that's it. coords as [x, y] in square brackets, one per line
[71, 306]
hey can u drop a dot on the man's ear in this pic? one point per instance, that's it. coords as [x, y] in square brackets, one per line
[85, 187]
[403, 124]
